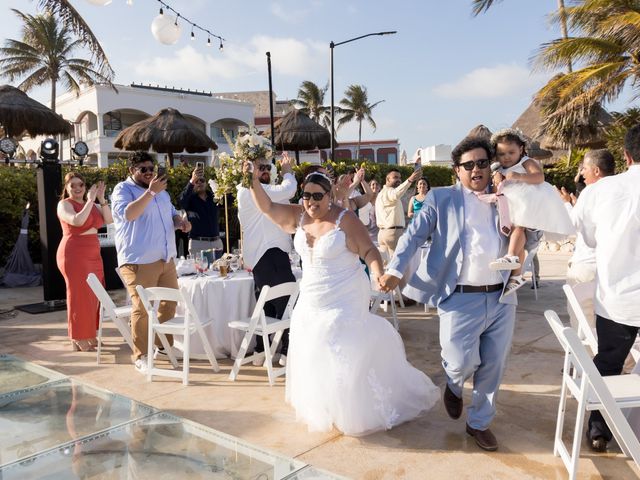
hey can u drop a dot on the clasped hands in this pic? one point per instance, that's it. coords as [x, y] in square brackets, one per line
[388, 282]
[96, 192]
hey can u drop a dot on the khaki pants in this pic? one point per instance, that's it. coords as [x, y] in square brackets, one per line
[387, 241]
[196, 246]
[579, 273]
[156, 274]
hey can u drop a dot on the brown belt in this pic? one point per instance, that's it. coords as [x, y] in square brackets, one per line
[478, 288]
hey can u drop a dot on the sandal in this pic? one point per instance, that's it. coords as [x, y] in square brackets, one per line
[513, 284]
[508, 262]
[82, 346]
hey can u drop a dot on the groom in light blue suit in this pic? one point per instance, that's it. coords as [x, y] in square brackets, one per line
[476, 322]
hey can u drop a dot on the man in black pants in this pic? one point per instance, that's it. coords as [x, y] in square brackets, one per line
[266, 246]
[606, 214]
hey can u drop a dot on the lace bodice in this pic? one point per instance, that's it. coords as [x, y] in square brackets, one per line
[329, 250]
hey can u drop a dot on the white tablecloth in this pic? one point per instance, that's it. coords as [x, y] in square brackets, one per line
[222, 300]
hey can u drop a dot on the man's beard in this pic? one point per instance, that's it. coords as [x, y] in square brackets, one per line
[265, 181]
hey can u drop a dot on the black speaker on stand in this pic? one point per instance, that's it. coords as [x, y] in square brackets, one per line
[49, 181]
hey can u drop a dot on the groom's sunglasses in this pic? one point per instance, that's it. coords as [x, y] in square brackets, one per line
[265, 167]
[482, 163]
[317, 196]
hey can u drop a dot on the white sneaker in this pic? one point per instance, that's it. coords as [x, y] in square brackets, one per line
[141, 364]
[160, 353]
[508, 262]
[258, 361]
[283, 360]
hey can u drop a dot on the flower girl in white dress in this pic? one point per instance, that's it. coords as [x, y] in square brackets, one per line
[533, 203]
[346, 367]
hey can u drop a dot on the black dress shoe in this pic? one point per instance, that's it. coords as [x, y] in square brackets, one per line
[485, 439]
[452, 404]
[597, 444]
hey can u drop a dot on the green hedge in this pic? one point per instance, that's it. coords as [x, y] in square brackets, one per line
[18, 186]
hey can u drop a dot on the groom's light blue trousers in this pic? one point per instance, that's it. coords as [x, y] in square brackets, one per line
[475, 336]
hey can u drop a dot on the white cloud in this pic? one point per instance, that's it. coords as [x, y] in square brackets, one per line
[287, 14]
[213, 70]
[492, 82]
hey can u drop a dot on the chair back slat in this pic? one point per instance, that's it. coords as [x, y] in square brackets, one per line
[585, 332]
[101, 293]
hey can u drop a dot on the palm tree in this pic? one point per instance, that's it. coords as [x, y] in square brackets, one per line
[70, 17]
[481, 6]
[355, 106]
[43, 55]
[311, 101]
[607, 51]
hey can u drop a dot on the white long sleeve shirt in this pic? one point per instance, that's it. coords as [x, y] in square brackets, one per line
[608, 217]
[259, 233]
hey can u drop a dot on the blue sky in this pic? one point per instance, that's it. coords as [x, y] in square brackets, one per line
[443, 73]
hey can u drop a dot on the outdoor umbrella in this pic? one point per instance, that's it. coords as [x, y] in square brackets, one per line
[296, 131]
[19, 270]
[168, 131]
[19, 113]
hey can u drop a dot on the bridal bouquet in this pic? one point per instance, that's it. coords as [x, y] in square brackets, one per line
[247, 147]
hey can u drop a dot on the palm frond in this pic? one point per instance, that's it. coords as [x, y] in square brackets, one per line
[481, 6]
[71, 17]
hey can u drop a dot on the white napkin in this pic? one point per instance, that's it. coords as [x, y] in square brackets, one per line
[185, 267]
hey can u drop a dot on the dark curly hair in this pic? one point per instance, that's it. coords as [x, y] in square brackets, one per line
[139, 156]
[468, 144]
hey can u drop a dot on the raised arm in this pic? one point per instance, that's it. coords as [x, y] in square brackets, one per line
[105, 210]
[67, 214]
[284, 215]
[361, 200]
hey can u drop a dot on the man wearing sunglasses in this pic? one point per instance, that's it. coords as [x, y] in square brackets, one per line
[202, 212]
[476, 326]
[145, 222]
[266, 247]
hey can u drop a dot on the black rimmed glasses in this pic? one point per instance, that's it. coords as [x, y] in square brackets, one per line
[482, 163]
[317, 196]
[145, 169]
[265, 168]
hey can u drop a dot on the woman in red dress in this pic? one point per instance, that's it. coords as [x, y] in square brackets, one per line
[79, 255]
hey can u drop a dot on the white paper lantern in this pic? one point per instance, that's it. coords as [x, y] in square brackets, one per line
[99, 3]
[165, 30]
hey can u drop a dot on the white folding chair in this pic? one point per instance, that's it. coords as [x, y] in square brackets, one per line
[529, 266]
[260, 324]
[108, 311]
[183, 326]
[377, 300]
[581, 379]
[585, 332]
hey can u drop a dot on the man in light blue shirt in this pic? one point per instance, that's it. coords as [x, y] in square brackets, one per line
[145, 222]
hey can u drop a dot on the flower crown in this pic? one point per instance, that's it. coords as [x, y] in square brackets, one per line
[319, 174]
[516, 132]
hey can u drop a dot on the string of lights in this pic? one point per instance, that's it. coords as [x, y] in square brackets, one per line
[165, 5]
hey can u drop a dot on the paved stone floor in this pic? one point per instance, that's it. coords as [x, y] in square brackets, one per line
[433, 446]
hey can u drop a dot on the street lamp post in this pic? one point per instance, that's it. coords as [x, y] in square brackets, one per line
[332, 45]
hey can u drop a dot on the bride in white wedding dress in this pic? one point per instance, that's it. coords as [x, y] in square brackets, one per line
[346, 368]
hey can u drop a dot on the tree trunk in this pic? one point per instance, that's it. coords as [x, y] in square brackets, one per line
[359, 139]
[53, 95]
[563, 27]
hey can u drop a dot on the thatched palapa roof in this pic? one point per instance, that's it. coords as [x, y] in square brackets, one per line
[19, 113]
[296, 131]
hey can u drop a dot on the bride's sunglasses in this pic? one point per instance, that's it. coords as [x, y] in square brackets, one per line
[317, 196]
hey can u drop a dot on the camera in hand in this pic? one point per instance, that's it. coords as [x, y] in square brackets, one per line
[162, 171]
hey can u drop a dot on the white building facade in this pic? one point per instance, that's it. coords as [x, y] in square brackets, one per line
[99, 114]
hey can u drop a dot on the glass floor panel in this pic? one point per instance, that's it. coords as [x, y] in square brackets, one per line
[16, 374]
[42, 417]
[55, 427]
[159, 446]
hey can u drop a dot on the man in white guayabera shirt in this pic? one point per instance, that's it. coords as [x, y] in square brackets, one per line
[607, 215]
[265, 246]
[582, 265]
